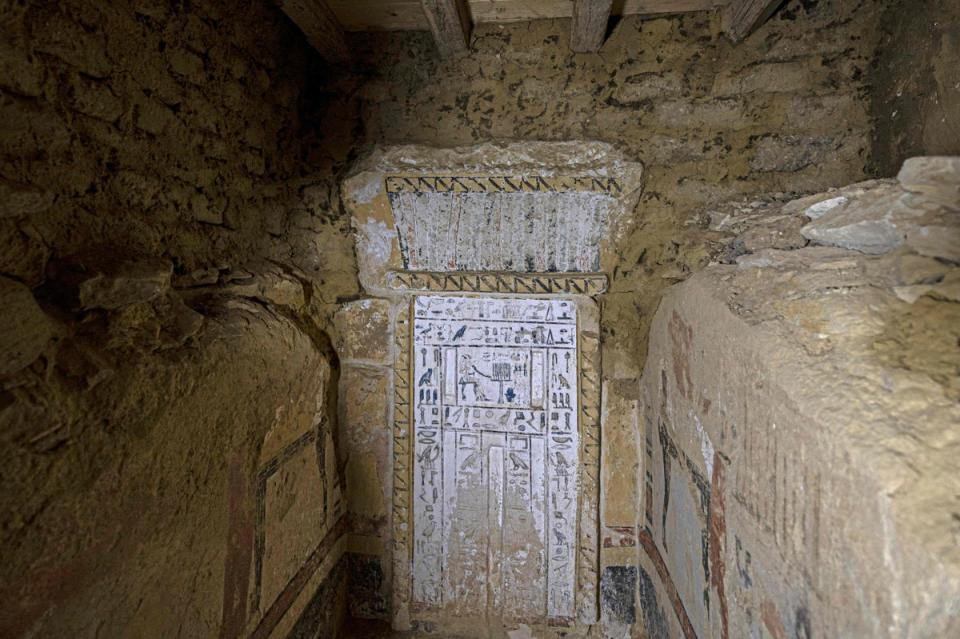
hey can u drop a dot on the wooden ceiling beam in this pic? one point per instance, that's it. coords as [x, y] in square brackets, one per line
[589, 27]
[740, 18]
[450, 24]
[400, 15]
[523, 10]
[321, 27]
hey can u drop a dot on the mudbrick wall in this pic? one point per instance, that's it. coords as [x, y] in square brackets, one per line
[169, 247]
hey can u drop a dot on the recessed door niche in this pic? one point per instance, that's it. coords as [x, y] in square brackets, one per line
[495, 456]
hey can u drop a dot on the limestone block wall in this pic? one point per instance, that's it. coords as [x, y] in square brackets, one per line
[799, 422]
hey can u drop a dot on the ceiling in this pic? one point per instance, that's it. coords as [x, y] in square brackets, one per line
[324, 22]
[408, 15]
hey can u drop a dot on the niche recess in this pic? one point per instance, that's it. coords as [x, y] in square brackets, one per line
[489, 260]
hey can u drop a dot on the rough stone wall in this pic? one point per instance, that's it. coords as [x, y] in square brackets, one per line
[144, 504]
[163, 131]
[785, 111]
[916, 83]
[169, 251]
[131, 508]
[800, 411]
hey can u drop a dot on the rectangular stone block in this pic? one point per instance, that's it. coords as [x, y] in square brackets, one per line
[489, 208]
[365, 441]
[496, 414]
[620, 462]
[618, 588]
[363, 331]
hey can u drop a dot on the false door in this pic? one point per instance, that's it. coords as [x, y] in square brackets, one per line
[495, 460]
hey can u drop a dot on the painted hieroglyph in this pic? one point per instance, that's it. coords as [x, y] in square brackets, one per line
[531, 223]
[496, 448]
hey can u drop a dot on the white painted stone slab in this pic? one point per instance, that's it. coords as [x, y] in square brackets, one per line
[496, 455]
[554, 229]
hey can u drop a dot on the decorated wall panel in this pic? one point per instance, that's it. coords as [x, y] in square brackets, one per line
[496, 455]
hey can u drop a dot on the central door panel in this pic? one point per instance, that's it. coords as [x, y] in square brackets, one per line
[496, 456]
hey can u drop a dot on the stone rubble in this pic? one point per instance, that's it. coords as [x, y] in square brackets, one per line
[261, 280]
[875, 217]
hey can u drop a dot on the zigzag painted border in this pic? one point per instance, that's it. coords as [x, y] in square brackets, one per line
[588, 551]
[512, 283]
[402, 464]
[501, 184]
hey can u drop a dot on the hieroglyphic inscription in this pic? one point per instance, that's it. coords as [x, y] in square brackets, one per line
[497, 455]
[781, 493]
[525, 223]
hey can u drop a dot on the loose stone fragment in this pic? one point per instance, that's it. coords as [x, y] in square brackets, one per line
[18, 199]
[942, 242]
[949, 289]
[909, 269]
[24, 328]
[782, 233]
[938, 178]
[134, 283]
[864, 223]
[204, 211]
[267, 282]
[835, 197]
[911, 294]
[199, 277]
[820, 209]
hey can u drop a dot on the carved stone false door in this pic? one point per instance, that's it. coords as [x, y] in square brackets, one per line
[495, 460]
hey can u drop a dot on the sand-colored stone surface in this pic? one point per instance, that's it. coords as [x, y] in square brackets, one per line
[206, 274]
[800, 413]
